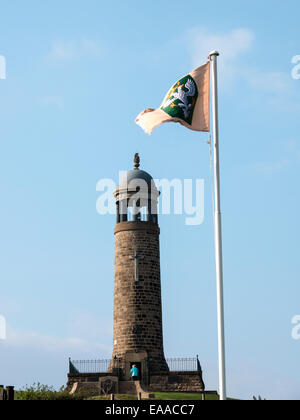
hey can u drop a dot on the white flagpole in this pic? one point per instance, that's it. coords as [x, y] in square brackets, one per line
[218, 229]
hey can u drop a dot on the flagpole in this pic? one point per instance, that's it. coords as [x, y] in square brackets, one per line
[218, 229]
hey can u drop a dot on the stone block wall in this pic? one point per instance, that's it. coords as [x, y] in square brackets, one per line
[137, 305]
[172, 382]
[176, 382]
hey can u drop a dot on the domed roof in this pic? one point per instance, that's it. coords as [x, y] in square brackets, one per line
[137, 181]
[136, 175]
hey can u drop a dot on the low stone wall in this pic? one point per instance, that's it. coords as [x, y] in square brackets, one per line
[93, 383]
[172, 382]
[176, 382]
[85, 377]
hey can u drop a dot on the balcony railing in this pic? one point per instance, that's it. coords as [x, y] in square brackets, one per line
[101, 366]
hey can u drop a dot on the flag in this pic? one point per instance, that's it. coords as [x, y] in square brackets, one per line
[187, 102]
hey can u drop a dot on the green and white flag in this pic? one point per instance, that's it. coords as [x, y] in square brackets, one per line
[187, 102]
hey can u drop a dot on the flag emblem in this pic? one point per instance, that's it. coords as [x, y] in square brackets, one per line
[181, 100]
[187, 103]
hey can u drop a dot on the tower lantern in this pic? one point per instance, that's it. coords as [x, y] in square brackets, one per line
[136, 196]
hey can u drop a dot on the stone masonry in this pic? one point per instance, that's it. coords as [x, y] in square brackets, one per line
[137, 305]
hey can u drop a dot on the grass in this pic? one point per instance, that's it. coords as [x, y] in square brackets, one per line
[42, 392]
[177, 396]
[118, 397]
[162, 396]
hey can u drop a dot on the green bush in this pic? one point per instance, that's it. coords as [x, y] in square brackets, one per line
[38, 392]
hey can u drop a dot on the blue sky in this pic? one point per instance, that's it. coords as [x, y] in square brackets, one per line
[78, 73]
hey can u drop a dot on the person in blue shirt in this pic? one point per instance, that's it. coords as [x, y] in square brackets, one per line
[134, 372]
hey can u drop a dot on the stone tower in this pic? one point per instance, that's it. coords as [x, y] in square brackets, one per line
[138, 334]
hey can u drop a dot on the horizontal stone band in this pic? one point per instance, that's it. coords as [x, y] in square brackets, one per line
[126, 226]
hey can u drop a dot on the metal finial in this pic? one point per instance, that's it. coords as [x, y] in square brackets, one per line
[216, 53]
[137, 161]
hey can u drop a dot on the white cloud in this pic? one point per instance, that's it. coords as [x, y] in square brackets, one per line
[270, 82]
[29, 357]
[276, 87]
[91, 328]
[19, 339]
[230, 45]
[67, 51]
[270, 168]
[291, 156]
